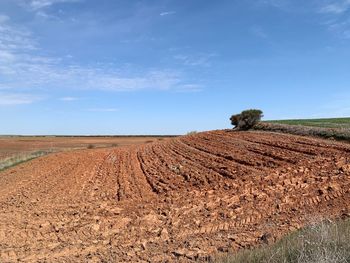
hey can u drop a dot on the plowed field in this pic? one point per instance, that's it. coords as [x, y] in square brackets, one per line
[183, 199]
[20, 145]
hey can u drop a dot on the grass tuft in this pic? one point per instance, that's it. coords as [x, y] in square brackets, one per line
[324, 242]
[15, 160]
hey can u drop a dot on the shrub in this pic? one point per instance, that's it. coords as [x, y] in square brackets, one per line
[191, 133]
[91, 146]
[246, 119]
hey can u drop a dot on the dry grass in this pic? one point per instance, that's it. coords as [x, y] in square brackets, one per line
[323, 123]
[325, 242]
[17, 159]
[342, 134]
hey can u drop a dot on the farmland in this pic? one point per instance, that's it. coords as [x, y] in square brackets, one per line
[181, 199]
[322, 123]
[15, 149]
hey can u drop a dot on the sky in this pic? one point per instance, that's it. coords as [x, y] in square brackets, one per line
[169, 66]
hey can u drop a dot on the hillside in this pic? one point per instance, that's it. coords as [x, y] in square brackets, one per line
[185, 199]
[343, 123]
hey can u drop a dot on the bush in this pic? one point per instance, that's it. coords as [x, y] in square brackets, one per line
[246, 119]
[191, 133]
[91, 146]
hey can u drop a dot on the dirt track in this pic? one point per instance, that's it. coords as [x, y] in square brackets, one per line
[183, 199]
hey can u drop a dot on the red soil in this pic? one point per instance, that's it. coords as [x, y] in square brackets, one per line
[20, 145]
[184, 199]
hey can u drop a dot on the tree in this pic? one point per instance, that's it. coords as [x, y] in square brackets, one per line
[246, 119]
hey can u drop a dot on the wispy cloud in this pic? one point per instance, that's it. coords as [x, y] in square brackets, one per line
[39, 4]
[3, 18]
[335, 7]
[195, 60]
[12, 39]
[259, 32]
[189, 88]
[274, 3]
[9, 99]
[167, 13]
[334, 17]
[68, 99]
[331, 13]
[41, 8]
[23, 68]
[340, 27]
[103, 109]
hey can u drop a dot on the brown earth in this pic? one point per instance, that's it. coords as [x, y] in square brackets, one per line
[20, 145]
[185, 199]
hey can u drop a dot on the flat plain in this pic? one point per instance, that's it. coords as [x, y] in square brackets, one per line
[21, 145]
[183, 199]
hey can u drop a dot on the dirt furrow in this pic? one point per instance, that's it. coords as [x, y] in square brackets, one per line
[181, 200]
[245, 164]
[276, 155]
[199, 160]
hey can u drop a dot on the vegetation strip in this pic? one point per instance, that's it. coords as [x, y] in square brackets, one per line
[18, 159]
[328, 133]
[322, 123]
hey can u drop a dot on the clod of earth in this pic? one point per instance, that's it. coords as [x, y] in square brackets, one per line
[183, 199]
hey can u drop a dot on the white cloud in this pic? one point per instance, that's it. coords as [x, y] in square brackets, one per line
[331, 7]
[115, 81]
[339, 27]
[103, 109]
[68, 99]
[332, 14]
[335, 7]
[24, 70]
[8, 99]
[259, 32]
[39, 4]
[334, 19]
[15, 39]
[275, 3]
[189, 88]
[22, 67]
[196, 59]
[3, 18]
[167, 13]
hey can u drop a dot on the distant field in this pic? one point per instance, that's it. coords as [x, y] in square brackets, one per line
[323, 123]
[14, 146]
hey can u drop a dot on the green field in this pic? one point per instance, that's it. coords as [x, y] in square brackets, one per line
[323, 123]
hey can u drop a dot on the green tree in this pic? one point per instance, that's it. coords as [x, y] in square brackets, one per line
[246, 119]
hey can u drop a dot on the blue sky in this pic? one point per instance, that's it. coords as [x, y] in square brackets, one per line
[169, 67]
